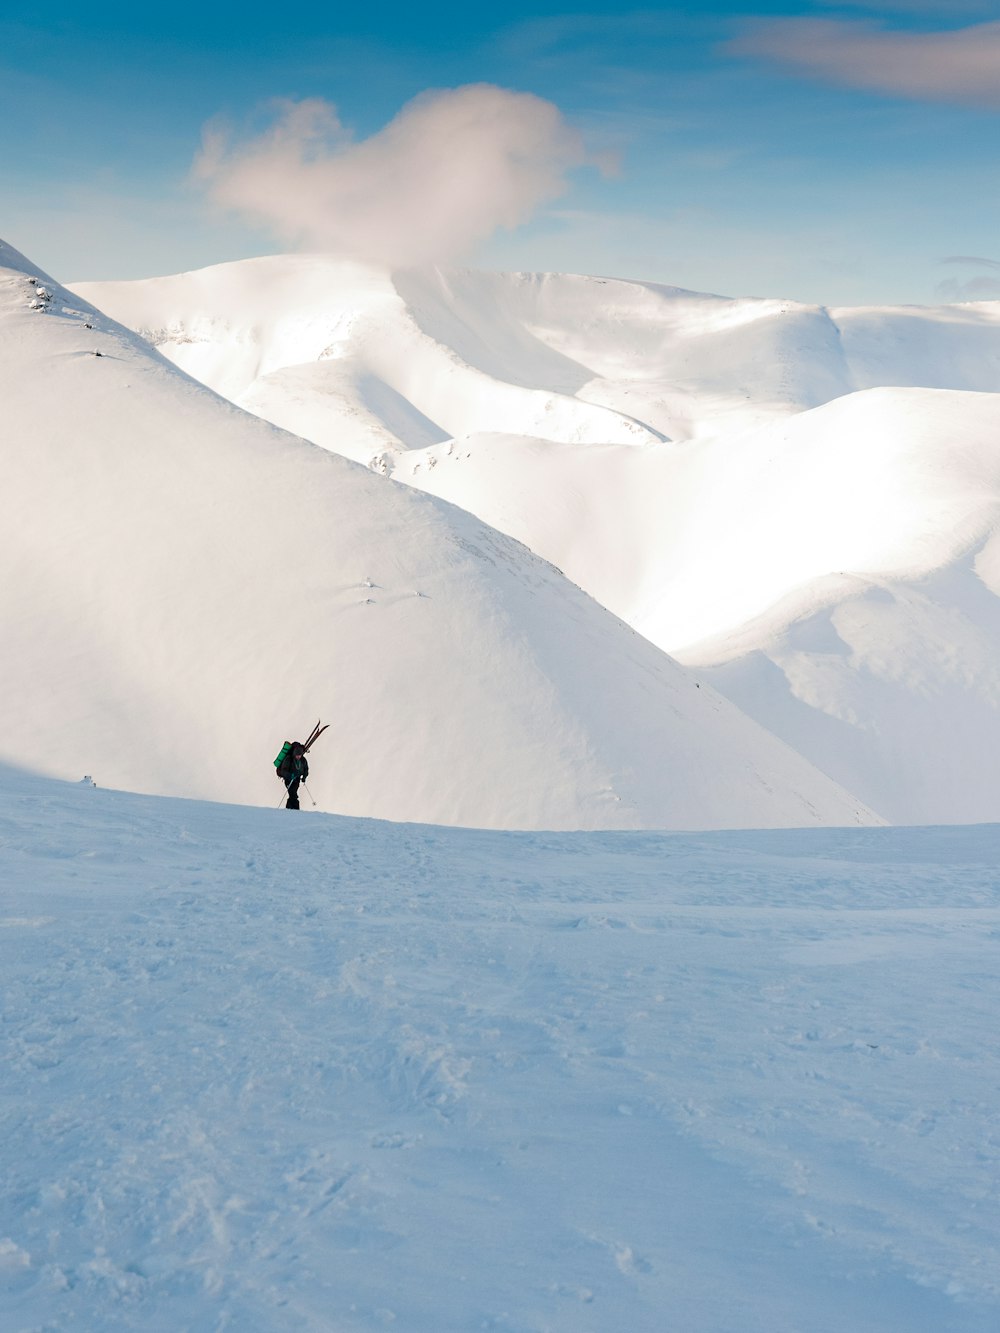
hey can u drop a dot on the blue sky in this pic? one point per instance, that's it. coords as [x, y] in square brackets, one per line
[829, 152]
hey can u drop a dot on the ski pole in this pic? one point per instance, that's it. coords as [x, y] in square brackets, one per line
[308, 792]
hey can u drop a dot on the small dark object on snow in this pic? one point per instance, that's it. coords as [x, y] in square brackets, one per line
[297, 771]
[293, 767]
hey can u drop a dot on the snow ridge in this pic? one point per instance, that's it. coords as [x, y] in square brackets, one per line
[191, 586]
[801, 502]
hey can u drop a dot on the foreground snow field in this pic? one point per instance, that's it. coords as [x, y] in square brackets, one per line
[267, 1071]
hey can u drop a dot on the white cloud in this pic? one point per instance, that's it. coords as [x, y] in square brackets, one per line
[448, 171]
[959, 65]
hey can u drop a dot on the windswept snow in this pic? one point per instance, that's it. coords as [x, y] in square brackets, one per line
[188, 586]
[286, 338]
[803, 503]
[660, 361]
[267, 1073]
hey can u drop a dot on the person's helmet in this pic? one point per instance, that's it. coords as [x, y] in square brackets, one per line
[298, 750]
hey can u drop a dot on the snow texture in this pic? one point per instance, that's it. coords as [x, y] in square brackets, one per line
[803, 503]
[267, 1072]
[189, 586]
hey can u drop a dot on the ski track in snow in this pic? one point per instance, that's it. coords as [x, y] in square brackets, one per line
[266, 1072]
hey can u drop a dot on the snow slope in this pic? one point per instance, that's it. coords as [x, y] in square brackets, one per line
[188, 586]
[270, 1073]
[570, 359]
[809, 513]
[836, 575]
[290, 337]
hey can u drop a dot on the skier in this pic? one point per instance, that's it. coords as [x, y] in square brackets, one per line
[294, 768]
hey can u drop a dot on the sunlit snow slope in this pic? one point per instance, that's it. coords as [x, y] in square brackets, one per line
[803, 502]
[186, 586]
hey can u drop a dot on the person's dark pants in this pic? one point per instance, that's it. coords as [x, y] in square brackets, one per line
[293, 794]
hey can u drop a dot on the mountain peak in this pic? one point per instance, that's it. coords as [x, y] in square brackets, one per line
[194, 586]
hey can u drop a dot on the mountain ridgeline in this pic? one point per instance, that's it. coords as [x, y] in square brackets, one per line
[190, 585]
[801, 503]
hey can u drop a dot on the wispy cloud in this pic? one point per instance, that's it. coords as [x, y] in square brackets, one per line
[942, 9]
[971, 261]
[569, 34]
[977, 287]
[958, 65]
[448, 171]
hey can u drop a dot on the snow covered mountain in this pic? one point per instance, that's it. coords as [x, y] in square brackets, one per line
[802, 503]
[186, 586]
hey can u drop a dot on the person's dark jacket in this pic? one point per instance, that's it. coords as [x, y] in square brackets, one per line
[293, 766]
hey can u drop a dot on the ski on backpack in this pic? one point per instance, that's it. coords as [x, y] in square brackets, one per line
[310, 740]
[315, 735]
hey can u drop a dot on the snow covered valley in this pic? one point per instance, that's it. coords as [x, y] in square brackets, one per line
[801, 503]
[186, 586]
[270, 1072]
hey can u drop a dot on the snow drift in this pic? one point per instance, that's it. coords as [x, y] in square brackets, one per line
[803, 503]
[187, 586]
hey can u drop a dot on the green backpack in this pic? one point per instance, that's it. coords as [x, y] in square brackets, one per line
[281, 755]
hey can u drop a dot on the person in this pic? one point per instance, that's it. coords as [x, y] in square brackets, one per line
[294, 769]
